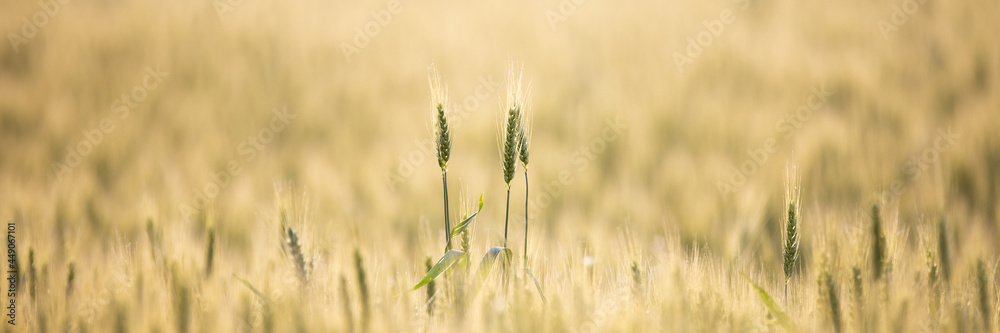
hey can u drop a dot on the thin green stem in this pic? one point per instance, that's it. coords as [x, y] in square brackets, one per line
[506, 217]
[447, 222]
[525, 216]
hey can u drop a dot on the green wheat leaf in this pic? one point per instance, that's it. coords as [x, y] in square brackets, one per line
[449, 259]
[468, 221]
[783, 319]
[490, 258]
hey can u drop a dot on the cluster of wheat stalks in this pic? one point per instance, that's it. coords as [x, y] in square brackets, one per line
[513, 140]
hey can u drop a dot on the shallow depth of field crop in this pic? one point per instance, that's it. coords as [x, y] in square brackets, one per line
[284, 166]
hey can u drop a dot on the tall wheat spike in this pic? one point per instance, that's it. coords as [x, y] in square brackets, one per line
[793, 200]
[508, 136]
[442, 135]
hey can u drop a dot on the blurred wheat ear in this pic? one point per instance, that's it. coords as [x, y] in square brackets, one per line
[362, 290]
[346, 304]
[943, 250]
[878, 244]
[828, 295]
[32, 273]
[210, 244]
[70, 277]
[858, 294]
[793, 200]
[983, 293]
[933, 288]
[298, 259]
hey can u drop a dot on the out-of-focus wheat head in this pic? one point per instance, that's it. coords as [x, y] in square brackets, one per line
[793, 204]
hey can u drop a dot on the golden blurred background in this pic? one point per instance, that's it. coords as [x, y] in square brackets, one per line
[115, 113]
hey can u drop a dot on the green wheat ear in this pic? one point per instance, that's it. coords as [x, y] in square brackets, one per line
[793, 199]
[510, 142]
[439, 101]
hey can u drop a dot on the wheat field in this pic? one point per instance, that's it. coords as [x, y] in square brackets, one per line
[724, 165]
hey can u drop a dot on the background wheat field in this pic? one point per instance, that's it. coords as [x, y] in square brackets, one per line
[155, 154]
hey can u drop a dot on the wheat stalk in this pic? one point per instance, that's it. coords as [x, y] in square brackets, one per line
[524, 142]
